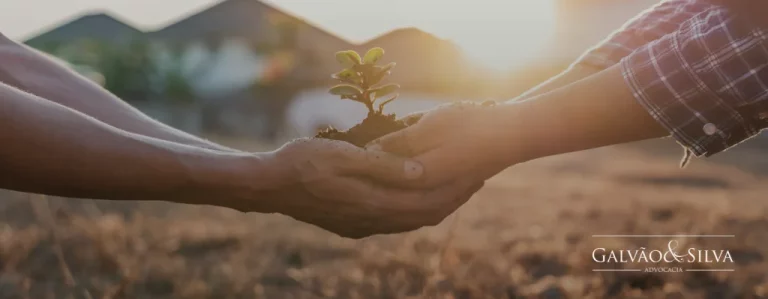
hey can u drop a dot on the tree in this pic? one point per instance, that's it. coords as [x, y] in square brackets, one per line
[128, 70]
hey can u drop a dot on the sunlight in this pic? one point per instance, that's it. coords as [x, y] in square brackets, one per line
[500, 34]
[495, 33]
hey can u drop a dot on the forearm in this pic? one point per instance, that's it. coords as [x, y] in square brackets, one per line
[50, 149]
[594, 112]
[570, 75]
[33, 72]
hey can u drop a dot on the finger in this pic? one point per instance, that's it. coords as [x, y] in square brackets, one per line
[381, 166]
[409, 210]
[463, 198]
[412, 118]
[389, 209]
[340, 189]
[363, 192]
[441, 202]
[408, 142]
[443, 165]
[347, 208]
[448, 195]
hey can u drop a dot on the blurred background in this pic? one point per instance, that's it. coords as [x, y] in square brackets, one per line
[253, 74]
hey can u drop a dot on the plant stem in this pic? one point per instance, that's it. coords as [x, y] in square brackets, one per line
[366, 94]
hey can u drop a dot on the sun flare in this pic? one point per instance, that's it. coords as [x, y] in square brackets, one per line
[500, 34]
[504, 34]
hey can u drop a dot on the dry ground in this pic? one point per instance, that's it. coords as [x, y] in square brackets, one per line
[527, 234]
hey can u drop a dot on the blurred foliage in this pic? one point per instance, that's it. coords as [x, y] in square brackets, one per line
[128, 70]
[176, 87]
[277, 83]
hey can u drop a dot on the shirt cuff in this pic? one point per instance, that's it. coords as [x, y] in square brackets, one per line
[675, 95]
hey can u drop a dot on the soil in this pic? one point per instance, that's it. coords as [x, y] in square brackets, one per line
[372, 127]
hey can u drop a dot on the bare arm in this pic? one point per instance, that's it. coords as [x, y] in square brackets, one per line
[51, 149]
[570, 75]
[578, 118]
[652, 24]
[593, 112]
[31, 71]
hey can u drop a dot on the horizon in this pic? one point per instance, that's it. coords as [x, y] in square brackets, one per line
[529, 24]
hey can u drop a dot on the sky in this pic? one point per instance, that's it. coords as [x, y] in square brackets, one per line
[496, 33]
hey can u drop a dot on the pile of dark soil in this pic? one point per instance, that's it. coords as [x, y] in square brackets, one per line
[372, 127]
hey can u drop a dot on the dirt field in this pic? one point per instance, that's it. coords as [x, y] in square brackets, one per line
[528, 234]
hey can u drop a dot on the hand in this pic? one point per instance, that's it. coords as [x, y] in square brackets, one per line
[342, 188]
[459, 140]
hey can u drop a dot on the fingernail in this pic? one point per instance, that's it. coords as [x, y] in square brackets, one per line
[374, 147]
[413, 169]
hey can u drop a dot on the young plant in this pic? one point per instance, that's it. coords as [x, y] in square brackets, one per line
[359, 82]
[359, 79]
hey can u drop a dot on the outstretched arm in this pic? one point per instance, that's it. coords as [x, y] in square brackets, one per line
[572, 74]
[653, 23]
[29, 70]
[596, 111]
[51, 149]
[48, 148]
[681, 85]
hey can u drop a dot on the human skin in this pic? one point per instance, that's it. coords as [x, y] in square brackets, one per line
[50, 149]
[113, 151]
[593, 111]
[35, 72]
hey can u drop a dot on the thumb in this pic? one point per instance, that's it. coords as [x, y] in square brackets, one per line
[407, 142]
[384, 167]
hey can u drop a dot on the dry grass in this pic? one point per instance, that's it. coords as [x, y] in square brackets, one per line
[527, 234]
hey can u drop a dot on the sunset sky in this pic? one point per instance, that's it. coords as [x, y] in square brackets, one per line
[498, 33]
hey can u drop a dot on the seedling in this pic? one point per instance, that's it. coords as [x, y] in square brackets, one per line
[359, 82]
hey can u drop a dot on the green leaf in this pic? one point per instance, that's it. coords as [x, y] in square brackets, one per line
[387, 67]
[385, 90]
[346, 75]
[377, 77]
[348, 58]
[380, 72]
[381, 105]
[345, 90]
[373, 55]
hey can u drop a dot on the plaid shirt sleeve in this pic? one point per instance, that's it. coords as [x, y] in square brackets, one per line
[705, 82]
[653, 23]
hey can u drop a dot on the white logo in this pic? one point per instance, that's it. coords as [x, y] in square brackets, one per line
[672, 258]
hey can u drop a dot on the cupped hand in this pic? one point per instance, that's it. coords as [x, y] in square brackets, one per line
[461, 140]
[349, 191]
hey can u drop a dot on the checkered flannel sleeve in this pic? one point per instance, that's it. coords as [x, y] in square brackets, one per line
[653, 23]
[705, 82]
